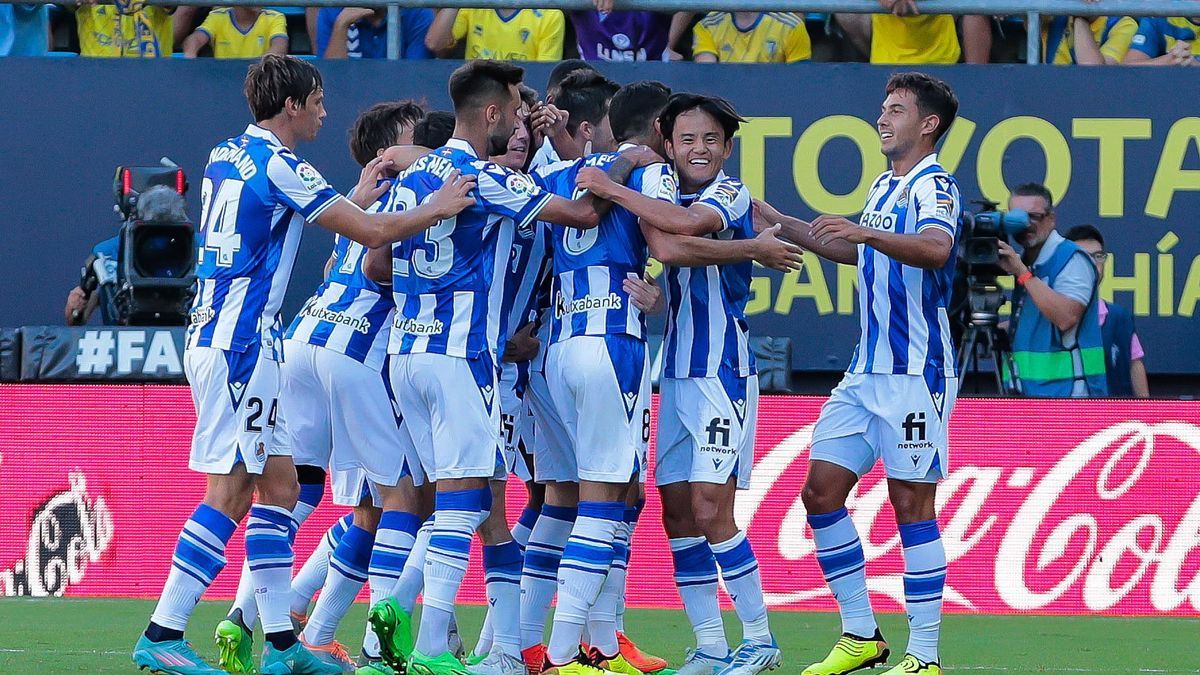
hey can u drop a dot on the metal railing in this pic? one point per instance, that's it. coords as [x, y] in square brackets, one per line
[1032, 9]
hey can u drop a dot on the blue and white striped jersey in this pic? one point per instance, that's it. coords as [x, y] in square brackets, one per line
[902, 309]
[254, 200]
[349, 313]
[525, 273]
[591, 265]
[446, 282]
[706, 306]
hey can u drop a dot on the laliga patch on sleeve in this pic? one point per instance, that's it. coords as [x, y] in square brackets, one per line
[519, 185]
[309, 177]
[667, 186]
[726, 193]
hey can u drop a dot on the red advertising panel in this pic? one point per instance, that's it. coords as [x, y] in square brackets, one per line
[1068, 507]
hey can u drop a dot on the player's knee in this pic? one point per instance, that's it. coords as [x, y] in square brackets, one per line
[821, 500]
[709, 516]
[912, 506]
[279, 492]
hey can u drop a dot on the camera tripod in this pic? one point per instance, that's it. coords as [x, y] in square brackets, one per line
[984, 334]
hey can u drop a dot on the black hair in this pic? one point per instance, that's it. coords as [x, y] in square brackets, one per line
[376, 128]
[1082, 232]
[584, 94]
[275, 78]
[434, 129]
[633, 109]
[560, 72]
[479, 83]
[529, 95]
[720, 109]
[1035, 190]
[934, 97]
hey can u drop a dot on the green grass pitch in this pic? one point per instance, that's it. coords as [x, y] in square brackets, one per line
[96, 636]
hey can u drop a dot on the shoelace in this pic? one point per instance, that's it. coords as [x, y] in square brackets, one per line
[338, 651]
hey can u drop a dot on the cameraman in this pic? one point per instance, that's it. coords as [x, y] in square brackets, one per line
[1057, 348]
[101, 275]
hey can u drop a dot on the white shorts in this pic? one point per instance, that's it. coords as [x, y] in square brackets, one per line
[902, 418]
[706, 429]
[350, 486]
[601, 389]
[552, 450]
[335, 412]
[452, 412]
[236, 395]
[512, 425]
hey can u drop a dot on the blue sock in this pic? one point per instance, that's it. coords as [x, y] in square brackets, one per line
[457, 515]
[502, 567]
[199, 558]
[840, 555]
[524, 526]
[696, 579]
[269, 534]
[739, 569]
[924, 579]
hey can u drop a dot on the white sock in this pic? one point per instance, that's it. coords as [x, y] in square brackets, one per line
[602, 620]
[199, 557]
[502, 564]
[347, 574]
[269, 534]
[586, 560]
[924, 580]
[394, 541]
[539, 577]
[840, 555]
[244, 600]
[312, 574]
[739, 570]
[412, 579]
[457, 516]
[696, 579]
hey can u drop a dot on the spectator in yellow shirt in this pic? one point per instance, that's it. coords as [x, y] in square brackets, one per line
[904, 36]
[751, 37]
[265, 30]
[131, 29]
[1101, 40]
[504, 35]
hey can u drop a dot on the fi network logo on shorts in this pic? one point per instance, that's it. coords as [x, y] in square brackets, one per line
[718, 431]
[914, 432]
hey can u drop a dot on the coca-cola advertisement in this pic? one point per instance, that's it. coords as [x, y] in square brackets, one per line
[1057, 507]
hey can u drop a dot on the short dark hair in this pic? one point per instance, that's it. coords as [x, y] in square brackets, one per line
[529, 95]
[584, 94]
[434, 129]
[375, 128]
[564, 68]
[934, 97]
[719, 108]
[1035, 190]
[478, 83]
[275, 78]
[1082, 232]
[634, 107]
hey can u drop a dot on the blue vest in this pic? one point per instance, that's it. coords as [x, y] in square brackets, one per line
[1044, 365]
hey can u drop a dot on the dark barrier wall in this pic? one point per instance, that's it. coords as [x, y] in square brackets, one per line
[1116, 146]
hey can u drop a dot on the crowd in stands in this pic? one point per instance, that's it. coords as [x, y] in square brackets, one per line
[902, 33]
